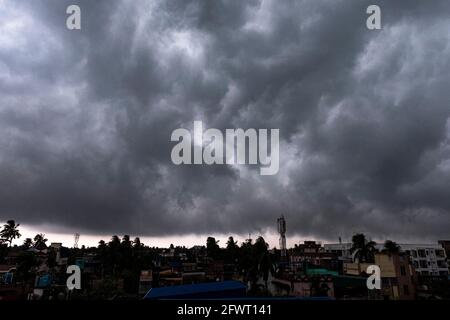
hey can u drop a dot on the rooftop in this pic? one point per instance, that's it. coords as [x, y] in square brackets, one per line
[225, 289]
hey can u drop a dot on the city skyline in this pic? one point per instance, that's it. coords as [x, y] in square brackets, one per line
[272, 238]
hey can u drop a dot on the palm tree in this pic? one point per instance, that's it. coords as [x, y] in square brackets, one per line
[39, 241]
[391, 247]
[362, 248]
[10, 231]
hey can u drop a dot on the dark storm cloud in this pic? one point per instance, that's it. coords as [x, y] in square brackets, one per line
[86, 116]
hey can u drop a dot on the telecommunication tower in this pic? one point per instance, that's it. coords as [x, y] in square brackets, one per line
[282, 232]
[77, 237]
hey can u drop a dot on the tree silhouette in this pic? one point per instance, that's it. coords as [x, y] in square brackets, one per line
[231, 244]
[260, 246]
[126, 242]
[363, 249]
[231, 251]
[39, 241]
[27, 244]
[265, 267]
[212, 248]
[137, 243]
[10, 231]
[391, 247]
[255, 263]
[114, 242]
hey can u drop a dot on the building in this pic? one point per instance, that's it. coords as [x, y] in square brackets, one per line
[446, 245]
[343, 250]
[427, 259]
[6, 271]
[398, 277]
[312, 253]
[304, 286]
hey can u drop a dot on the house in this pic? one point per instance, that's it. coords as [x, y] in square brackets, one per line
[304, 286]
[312, 253]
[398, 278]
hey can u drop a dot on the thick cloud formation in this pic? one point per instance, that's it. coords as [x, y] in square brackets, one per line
[364, 116]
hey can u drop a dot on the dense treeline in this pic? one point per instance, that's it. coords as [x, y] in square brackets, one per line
[123, 258]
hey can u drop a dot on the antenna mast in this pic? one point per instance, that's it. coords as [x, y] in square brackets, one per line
[77, 237]
[282, 231]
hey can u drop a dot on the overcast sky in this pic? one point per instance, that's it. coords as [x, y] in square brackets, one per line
[364, 116]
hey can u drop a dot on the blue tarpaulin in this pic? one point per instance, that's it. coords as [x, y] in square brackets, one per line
[44, 281]
[7, 277]
[210, 290]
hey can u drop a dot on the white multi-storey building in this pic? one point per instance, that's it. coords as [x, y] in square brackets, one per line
[427, 259]
[342, 249]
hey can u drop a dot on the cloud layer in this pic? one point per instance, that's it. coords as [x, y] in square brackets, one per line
[364, 116]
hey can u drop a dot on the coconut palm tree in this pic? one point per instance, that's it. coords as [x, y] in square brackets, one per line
[362, 248]
[10, 231]
[39, 241]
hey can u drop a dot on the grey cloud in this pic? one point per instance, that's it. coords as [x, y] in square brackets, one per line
[86, 116]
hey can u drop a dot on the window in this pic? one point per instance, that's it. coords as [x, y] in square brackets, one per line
[423, 264]
[440, 253]
[414, 253]
[403, 270]
[421, 253]
[406, 290]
